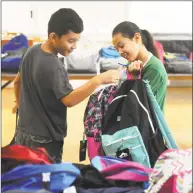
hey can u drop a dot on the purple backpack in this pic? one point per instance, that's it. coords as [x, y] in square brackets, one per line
[119, 169]
[93, 118]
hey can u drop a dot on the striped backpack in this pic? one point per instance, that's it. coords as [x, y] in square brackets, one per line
[172, 172]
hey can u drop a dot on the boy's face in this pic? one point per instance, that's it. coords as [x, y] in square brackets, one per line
[65, 44]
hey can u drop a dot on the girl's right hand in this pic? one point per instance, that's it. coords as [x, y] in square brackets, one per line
[135, 66]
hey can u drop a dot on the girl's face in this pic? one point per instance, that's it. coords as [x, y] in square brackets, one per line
[128, 48]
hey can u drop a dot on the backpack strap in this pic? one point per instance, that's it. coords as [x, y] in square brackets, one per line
[137, 73]
[161, 120]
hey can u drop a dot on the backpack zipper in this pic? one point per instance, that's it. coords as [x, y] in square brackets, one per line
[129, 137]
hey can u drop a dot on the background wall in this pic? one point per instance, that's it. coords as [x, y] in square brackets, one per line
[162, 16]
[99, 17]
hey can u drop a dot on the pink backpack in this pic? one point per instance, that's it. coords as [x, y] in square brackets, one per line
[93, 118]
[191, 56]
[160, 50]
[119, 169]
[172, 172]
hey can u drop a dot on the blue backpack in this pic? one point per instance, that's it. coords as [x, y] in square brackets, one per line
[18, 42]
[12, 53]
[110, 52]
[31, 178]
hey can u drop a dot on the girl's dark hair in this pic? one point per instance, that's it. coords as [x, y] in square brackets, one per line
[128, 30]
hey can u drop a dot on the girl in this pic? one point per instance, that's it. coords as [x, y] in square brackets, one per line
[137, 46]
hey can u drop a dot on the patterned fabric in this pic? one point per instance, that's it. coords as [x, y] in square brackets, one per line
[173, 173]
[94, 117]
[98, 104]
[96, 108]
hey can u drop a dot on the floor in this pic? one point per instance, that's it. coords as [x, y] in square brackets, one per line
[178, 115]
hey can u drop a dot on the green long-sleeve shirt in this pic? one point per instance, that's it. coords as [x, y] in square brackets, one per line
[154, 71]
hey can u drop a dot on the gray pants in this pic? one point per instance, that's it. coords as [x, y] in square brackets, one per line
[53, 148]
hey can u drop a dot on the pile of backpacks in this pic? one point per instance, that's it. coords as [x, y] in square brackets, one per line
[176, 55]
[110, 59]
[93, 62]
[178, 63]
[125, 122]
[26, 169]
[130, 147]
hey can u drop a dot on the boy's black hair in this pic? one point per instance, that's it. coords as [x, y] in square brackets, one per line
[65, 20]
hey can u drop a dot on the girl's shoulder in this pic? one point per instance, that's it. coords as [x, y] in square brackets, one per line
[155, 64]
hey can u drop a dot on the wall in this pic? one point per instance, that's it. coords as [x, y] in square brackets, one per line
[162, 16]
[16, 16]
[99, 17]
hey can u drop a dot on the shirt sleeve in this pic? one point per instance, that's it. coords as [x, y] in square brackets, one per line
[60, 82]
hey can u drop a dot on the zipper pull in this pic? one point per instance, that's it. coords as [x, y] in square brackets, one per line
[46, 180]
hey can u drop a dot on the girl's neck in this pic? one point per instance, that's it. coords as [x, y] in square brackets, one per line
[143, 55]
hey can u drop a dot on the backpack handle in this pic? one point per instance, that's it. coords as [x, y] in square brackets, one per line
[137, 73]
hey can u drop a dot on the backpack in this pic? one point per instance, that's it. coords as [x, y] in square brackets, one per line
[94, 116]
[12, 53]
[11, 61]
[109, 52]
[24, 153]
[121, 169]
[14, 155]
[104, 190]
[19, 191]
[160, 50]
[15, 43]
[131, 127]
[190, 57]
[170, 142]
[31, 178]
[148, 143]
[172, 172]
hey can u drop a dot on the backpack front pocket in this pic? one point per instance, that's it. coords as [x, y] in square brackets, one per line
[129, 138]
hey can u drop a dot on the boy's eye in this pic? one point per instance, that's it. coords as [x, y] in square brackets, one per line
[71, 41]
